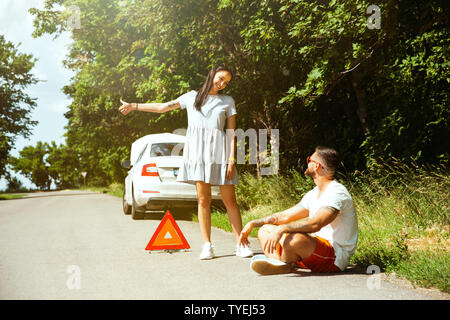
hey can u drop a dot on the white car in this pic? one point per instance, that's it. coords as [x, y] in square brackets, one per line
[151, 181]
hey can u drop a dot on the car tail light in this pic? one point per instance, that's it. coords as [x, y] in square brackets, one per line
[150, 170]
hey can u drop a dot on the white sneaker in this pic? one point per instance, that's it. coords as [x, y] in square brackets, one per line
[243, 251]
[207, 251]
[266, 266]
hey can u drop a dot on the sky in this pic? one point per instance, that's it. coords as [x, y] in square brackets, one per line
[16, 24]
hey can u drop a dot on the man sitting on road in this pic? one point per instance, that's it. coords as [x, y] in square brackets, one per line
[325, 241]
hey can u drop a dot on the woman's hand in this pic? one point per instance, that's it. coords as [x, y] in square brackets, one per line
[230, 170]
[126, 107]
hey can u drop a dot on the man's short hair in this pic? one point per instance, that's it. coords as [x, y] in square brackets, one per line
[329, 156]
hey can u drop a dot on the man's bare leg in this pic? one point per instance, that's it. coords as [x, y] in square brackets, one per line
[296, 246]
[265, 267]
[263, 234]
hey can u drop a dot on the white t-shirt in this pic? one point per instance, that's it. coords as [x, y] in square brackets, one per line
[214, 111]
[342, 232]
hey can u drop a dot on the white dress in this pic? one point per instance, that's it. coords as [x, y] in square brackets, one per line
[206, 150]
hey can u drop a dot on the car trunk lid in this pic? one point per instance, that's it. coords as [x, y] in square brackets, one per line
[167, 167]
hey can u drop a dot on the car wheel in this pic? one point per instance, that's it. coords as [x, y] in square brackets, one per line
[135, 213]
[126, 206]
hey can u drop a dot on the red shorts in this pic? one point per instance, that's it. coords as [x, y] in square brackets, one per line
[321, 260]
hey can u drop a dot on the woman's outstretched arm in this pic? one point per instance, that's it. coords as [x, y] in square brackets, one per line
[157, 107]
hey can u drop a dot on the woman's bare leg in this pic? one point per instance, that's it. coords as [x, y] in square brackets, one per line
[234, 214]
[204, 209]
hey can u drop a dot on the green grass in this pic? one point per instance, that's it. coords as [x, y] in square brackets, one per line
[6, 196]
[115, 189]
[427, 268]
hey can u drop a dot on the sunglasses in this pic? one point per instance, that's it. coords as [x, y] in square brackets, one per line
[308, 160]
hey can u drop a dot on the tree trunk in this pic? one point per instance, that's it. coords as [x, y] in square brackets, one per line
[258, 165]
[361, 109]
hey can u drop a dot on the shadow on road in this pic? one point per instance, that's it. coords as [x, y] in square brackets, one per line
[177, 213]
[352, 269]
[186, 213]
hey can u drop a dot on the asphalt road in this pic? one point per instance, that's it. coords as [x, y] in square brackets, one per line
[79, 245]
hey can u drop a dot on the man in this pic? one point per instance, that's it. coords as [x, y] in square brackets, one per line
[325, 241]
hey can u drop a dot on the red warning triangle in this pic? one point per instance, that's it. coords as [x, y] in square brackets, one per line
[167, 236]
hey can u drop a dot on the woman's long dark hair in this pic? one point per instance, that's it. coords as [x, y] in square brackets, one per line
[202, 94]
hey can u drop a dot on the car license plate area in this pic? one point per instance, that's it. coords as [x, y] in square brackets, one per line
[168, 173]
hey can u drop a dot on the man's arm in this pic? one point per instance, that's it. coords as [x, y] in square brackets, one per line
[323, 217]
[294, 213]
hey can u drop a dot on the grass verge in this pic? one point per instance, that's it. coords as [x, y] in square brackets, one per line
[6, 196]
[114, 189]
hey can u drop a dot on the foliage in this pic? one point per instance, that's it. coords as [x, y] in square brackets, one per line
[14, 184]
[45, 163]
[31, 164]
[267, 191]
[64, 166]
[311, 68]
[15, 104]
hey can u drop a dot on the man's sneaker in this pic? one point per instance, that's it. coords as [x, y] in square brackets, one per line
[243, 251]
[207, 251]
[266, 266]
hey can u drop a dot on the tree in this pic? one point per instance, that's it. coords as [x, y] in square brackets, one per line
[96, 131]
[32, 164]
[14, 184]
[64, 166]
[313, 69]
[46, 163]
[15, 105]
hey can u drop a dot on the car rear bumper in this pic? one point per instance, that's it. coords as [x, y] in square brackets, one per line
[161, 204]
[158, 197]
[155, 204]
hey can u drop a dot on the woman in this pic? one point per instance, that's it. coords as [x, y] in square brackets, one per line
[208, 157]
